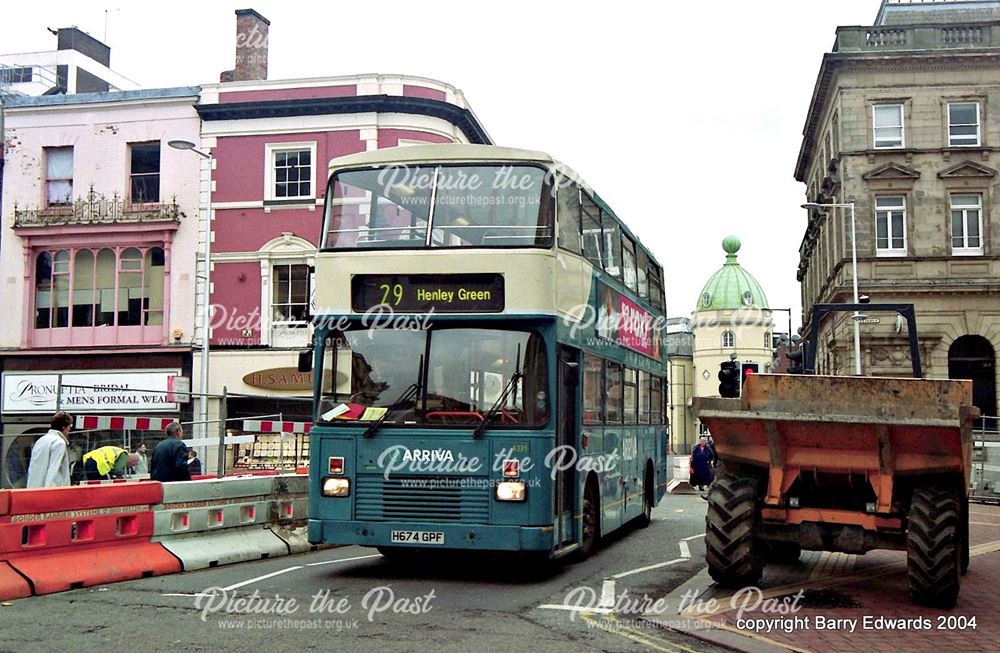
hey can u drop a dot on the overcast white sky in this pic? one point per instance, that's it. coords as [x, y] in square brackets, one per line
[686, 117]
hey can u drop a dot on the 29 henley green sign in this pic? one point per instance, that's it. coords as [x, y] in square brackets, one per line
[423, 293]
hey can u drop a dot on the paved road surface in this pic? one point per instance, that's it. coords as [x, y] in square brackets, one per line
[364, 602]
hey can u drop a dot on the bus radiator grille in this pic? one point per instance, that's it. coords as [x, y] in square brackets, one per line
[421, 499]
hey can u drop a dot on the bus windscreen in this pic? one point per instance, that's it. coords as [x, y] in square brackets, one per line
[439, 206]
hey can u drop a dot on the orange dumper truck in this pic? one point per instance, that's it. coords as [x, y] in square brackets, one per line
[850, 464]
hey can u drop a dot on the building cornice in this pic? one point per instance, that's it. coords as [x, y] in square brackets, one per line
[880, 62]
[460, 117]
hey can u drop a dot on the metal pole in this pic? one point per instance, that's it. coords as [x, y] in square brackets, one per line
[854, 265]
[206, 303]
[223, 414]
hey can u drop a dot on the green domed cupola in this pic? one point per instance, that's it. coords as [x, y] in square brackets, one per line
[732, 287]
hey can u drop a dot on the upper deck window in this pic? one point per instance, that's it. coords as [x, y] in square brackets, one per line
[439, 206]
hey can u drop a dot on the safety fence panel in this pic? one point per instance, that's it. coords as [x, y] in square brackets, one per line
[986, 461]
[213, 522]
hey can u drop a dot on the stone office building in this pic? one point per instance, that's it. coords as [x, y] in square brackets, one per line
[904, 122]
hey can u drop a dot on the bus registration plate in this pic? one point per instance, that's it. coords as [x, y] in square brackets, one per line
[417, 537]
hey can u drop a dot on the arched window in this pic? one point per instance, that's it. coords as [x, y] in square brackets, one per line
[728, 339]
[130, 290]
[43, 290]
[105, 284]
[60, 289]
[153, 270]
[83, 289]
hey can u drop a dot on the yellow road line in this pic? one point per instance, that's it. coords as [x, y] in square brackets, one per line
[761, 638]
[636, 636]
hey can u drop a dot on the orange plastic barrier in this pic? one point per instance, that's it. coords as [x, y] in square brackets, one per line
[55, 499]
[12, 584]
[64, 538]
[86, 567]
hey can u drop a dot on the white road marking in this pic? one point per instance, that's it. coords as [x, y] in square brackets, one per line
[251, 581]
[330, 562]
[574, 608]
[606, 605]
[259, 578]
[607, 594]
[650, 567]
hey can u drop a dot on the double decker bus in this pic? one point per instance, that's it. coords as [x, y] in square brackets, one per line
[487, 357]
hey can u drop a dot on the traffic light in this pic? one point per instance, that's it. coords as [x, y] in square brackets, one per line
[796, 359]
[746, 369]
[729, 377]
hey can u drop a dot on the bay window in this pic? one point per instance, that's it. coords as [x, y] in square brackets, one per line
[93, 288]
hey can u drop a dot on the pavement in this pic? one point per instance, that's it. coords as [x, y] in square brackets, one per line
[848, 603]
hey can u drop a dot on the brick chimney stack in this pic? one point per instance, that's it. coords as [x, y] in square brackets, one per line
[251, 47]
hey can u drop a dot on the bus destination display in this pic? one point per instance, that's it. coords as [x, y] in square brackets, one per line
[422, 293]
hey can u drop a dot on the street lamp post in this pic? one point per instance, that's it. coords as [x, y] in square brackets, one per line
[857, 317]
[206, 296]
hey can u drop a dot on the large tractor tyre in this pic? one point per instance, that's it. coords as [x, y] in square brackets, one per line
[734, 557]
[648, 488]
[591, 522]
[965, 537]
[784, 553]
[934, 547]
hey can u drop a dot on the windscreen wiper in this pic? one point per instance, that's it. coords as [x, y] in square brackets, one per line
[502, 399]
[411, 392]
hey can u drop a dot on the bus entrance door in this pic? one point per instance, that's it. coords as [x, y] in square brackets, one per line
[568, 380]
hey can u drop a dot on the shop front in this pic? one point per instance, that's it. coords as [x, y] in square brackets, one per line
[136, 385]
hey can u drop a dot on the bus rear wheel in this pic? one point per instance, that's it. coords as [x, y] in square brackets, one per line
[646, 516]
[591, 521]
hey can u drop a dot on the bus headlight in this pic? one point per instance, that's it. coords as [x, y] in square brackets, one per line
[511, 491]
[336, 487]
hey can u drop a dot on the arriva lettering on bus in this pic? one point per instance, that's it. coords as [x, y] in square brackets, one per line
[428, 456]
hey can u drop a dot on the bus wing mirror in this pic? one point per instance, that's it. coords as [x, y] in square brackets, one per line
[306, 360]
[571, 375]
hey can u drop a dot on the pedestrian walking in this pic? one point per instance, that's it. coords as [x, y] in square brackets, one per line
[141, 467]
[49, 464]
[194, 464]
[702, 460]
[170, 457]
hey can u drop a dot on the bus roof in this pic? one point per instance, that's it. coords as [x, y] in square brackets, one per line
[447, 152]
[468, 152]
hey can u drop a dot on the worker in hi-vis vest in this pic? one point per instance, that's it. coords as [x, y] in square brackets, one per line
[107, 462]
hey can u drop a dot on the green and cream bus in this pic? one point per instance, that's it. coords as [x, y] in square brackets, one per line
[487, 358]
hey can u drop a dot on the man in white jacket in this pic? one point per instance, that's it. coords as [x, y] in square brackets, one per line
[49, 466]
